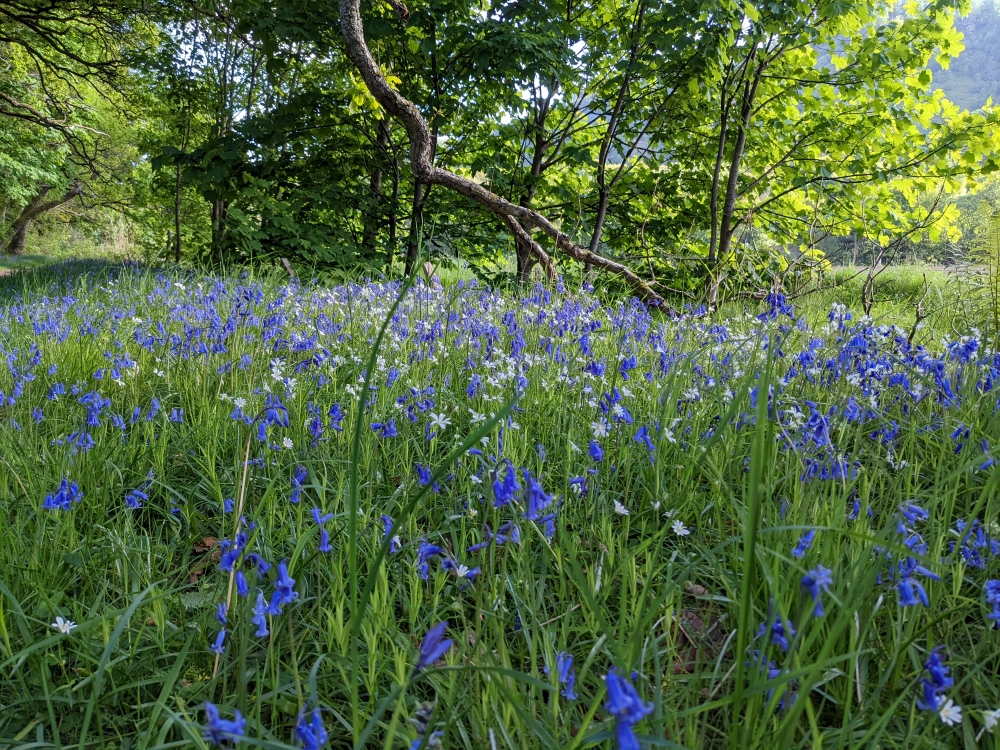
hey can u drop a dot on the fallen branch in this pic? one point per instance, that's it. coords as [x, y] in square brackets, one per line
[424, 171]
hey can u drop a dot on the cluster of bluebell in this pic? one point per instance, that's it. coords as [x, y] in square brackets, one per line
[296, 355]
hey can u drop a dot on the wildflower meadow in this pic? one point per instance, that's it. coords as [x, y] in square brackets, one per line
[247, 511]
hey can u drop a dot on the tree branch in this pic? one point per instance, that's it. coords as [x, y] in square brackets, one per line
[424, 171]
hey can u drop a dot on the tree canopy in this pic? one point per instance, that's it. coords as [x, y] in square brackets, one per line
[685, 147]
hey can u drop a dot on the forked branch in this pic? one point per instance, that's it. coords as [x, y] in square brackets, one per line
[424, 171]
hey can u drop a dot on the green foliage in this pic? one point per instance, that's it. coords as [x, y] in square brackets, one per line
[624, 590]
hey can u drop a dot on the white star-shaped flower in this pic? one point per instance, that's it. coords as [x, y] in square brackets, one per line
[63, 626]
[950, 713]
[287, 443]
[600, 429]
[680, 529]
[620, 509]
[991, 719]
[439, 421]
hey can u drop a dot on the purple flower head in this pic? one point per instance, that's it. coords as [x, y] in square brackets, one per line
[387, 528]
[65, 497]
[242, 589]
[565, 674]
[219, 731]
[781, 631]
[505, 492]
[536, 498]
[433, 646]
[260, 615]
[385, 429]
[425, 552]
[219, 646]
[815, 582]
[424, 476]
[284, 585]
[310, 732]
[299, 479]
[275, 412]
[805, 543]
[627, 707]
[596, 451]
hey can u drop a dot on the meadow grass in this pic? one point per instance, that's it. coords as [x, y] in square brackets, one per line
[691, 471]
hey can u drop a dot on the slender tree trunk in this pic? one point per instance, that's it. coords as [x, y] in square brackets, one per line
[177, 217]
[525, 256]
[603, 191]
[720, 155]
[373, 219]
[416, 226]
[220, 208]
[725, 223]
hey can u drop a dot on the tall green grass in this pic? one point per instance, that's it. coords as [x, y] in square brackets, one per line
[624, 591]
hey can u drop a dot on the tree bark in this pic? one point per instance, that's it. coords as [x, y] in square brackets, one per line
[425, 172]
[177, 217]
[416, 226]
[17, 237]
[220, 208]
[373, 219]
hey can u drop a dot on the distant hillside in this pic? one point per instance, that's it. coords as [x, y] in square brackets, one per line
[974, 76]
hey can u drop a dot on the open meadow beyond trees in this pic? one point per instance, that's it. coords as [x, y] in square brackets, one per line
[488, 374]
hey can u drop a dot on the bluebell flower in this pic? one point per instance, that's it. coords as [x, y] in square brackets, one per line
[565, 674]
[425, 552]
[992, 591]
[219, 731]
[424, 477]
[939, 681]
[596, 452]
[218, 646]
[815, 582]
[804, 544]
[627, 707]
[505, 492]
[433, 646]
[242, 589]
[387, 527]
[310, 733]
[780, 630]
[260, 615]
[284, 585]
[176, 415]
[913, 513]
[135, 498]
[385, 429]
[299, 478]
[537, 500]
[220, 613]
[65, 497]
[642, 436]
[275, 412]
[336, 415]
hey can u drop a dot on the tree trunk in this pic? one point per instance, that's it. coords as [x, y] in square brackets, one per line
[177, 217]
[373, 218]
[17, 237]
[220, 208]
[416, 222]
[609, 136]
[424, 170]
